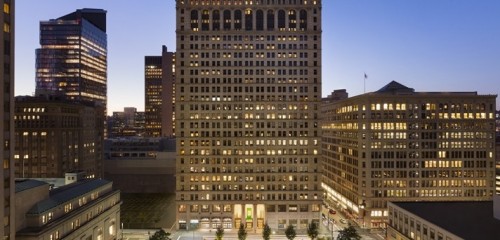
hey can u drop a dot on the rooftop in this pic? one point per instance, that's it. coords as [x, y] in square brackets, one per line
[25, 184]
[65, 193]
[468, 220]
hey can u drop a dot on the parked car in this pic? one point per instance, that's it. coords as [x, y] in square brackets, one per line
[343, 221]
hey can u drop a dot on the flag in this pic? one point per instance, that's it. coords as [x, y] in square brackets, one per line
[366, 76]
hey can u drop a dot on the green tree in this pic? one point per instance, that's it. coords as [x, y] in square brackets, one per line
[160, 235]
[219, 233]
[348, 233]
[312, 230]
[290, 232]
[266, 233]
[242, 232]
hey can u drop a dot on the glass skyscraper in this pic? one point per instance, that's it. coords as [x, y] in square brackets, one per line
[72, 60]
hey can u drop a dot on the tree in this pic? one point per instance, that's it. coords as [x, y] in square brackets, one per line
[312, 230]
[219, 233]
[290, 232]
[266, 233]
[348, 233]
[242, 232]
[160, 235]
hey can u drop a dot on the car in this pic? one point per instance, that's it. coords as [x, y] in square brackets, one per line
[332, 211]
[343, 221]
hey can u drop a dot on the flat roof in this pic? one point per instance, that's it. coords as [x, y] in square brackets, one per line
[468, 220]
[25, 184]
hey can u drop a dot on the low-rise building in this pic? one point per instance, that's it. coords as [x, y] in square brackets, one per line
[141, 165]
[442, 221]
[86, 209]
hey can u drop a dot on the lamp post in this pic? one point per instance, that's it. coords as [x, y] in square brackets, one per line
[362, 207]
[122, 230]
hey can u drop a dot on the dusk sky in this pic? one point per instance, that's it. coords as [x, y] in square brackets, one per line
[428, 45]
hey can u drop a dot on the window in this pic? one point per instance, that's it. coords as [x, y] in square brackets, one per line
[281, 208]
[6, 8]
[248, 20]
[260, 20]
[6, 27]
[281, 19]
[270, 20]
[182, 208]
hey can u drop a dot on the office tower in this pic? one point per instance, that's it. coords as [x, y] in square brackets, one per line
[159, 73]
[72, 59]
[248, 90]
[7, 123]
[397, 145]
[54, 136]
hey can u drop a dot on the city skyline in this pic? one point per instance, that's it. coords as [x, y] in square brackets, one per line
[432, 46]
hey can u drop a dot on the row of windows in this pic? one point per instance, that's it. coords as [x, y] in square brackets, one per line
[238, 20]
[249, 38]
[249, 196]
[194, 64]
[241, 72]
[248, 80]
[247, 2]
[269, 46]
[250, 161]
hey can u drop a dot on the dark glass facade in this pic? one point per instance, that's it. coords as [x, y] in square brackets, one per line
[72, 59]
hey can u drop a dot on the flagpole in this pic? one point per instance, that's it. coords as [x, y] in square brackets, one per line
[364, 84]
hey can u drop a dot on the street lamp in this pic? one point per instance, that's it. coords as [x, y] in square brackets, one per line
[362, 207]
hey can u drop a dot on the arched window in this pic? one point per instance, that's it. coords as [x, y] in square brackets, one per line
[237, 20]
[205, 20]
[281, 19]
[292, 19]
[303, 20]
[216, 20]
[270, 20]
[260, 20]
[227, 20]
[194, 20]
[248, 20]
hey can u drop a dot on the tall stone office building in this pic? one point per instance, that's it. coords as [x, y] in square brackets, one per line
[7, 123]
[159, 74]
[248, 90]
[72, 60]
[55, 136]
[397, 145]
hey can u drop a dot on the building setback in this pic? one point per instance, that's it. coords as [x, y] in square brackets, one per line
[159, 74]
[7, 116]
[54, 136]
[248, 90]
[396, 144]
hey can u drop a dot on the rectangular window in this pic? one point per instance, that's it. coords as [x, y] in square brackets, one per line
[6, 27]
[6, 8]
[281, 208]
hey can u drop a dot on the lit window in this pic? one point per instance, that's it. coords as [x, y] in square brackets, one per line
[6, 27]
[6, 8]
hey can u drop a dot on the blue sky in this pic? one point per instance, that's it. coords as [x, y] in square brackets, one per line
[429, 45]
